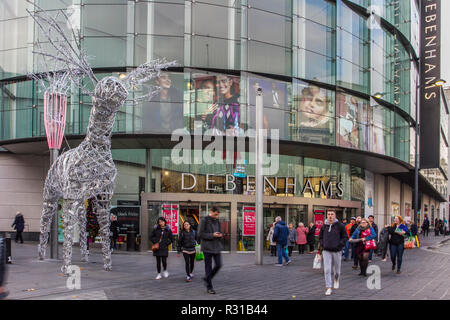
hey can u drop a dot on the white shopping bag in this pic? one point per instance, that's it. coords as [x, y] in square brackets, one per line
[317, 261]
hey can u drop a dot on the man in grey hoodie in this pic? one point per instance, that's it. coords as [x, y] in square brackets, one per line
[332, 238]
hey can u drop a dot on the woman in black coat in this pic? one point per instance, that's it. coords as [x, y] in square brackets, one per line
[161, 233]
[311, 237]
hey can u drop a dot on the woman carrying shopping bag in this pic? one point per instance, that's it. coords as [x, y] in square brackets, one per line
[364, 238]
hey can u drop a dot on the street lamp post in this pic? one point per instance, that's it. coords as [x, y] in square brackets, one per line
[55, 105]
[259, 152]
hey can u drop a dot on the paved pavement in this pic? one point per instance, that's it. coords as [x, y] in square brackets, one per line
[426, 275]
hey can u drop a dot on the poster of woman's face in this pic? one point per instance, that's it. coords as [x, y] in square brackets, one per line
[315, 121]
[217, 103]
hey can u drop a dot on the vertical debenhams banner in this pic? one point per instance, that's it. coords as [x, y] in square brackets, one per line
[430, 59]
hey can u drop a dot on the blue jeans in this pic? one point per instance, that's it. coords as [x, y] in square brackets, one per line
[397, 252]
[346, 250]
[281, 250]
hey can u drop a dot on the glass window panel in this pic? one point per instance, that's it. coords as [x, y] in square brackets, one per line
[269, 28]
[13, 63]
[269, 58]
[159, 18]
[226, 21]
[316, 37]
[148, 47]
[97, 23]
[106, 52]
[216, 53]
[13, 34]
[320, 11]
[276, 6]
[314, 66]
[13, 9]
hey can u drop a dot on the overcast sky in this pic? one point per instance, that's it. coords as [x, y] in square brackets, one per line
[445, 41]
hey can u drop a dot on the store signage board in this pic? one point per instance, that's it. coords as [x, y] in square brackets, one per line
[248, 221]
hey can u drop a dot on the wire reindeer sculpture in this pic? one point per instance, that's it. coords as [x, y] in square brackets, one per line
[87, 171]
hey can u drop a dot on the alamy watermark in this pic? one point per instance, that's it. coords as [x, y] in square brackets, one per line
[74, 280]
[374, 280]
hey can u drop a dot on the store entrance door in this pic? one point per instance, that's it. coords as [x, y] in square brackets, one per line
[190, 211]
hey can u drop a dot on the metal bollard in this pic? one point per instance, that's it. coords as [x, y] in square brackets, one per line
[8, 255]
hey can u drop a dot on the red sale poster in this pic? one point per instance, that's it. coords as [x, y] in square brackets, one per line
[248, 222]
[319, 218]
[171, 214]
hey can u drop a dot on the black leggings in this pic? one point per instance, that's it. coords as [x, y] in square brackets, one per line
[158, 263]
[364, 261]
[301, 248]
[189, 259]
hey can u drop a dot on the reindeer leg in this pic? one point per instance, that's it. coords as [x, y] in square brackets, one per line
[70, 208]
[103, 207]
[83, 234]
[49, 210]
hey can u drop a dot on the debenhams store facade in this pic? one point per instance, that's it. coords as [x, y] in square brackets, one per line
[345, 122]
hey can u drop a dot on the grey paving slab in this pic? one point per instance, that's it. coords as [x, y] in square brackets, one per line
[425, 275]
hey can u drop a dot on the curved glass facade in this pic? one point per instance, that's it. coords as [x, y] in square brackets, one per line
[320, 63]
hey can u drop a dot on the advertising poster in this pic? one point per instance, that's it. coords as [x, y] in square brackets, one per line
[248, 221]
[171, 213]
[315, 114]
[319, 219]
[369, 191]
[128, 218]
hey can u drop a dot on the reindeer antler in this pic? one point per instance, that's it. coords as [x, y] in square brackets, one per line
[70, 63]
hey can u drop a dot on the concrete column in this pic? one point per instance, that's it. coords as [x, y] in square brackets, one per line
[144, 224]
[148, 170]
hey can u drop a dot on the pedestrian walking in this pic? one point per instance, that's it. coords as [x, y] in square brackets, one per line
[375, 228]
[19, 225]
[211, 243]
[280, 237]
[332, 238]
[272, 244]
[396, 242]
[302, 233]
[292, 238]
[186, 245]
[115, 229]
[425, 226]
[384, 242]
[362, 239]
[311, 237]
[348, 227]
[161, 237]
[3, 292]
[437, 226]
[445, 226]
[352, 230]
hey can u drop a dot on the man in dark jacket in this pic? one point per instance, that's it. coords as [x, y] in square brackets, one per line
[19, 224]
[332, 238]
[425, 226]
[375, 228]
[280, 236]
[211, 243]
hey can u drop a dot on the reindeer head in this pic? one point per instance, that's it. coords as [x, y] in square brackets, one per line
[110, 93]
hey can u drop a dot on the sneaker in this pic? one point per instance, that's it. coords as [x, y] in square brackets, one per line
[370, 260]
[384, 260]
[165, 274]
[393, 267]
[398, 272]
[188, 279]
[279, 264]
[191, 275]
[211, 291]
[328, 292]
[336, 284]
[4, 294]
[158, 277]
[288, 262]
[354, 267]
